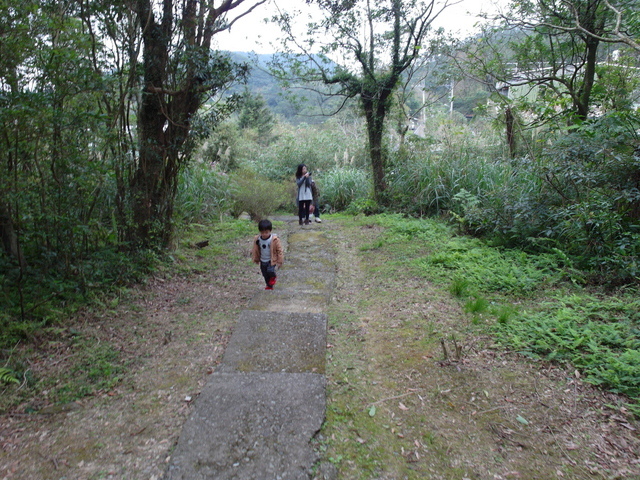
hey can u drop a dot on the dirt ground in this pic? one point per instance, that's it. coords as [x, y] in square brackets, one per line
[396, 408]
[171, 333]
[482, 413]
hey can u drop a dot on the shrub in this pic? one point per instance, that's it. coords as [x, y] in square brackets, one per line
[257, 195]
[366, 206]
[580, 196]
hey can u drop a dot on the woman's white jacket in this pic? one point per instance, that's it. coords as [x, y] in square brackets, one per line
[304, 189]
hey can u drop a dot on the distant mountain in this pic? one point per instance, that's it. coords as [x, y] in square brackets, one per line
[261, 82]
[260, 77]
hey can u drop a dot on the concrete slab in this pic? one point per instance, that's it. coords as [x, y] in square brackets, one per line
[277, 342]
[284, 299]
[308, 277]
[251, 427]
[258, 413]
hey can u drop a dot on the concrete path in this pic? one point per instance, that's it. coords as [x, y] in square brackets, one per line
[258, 413]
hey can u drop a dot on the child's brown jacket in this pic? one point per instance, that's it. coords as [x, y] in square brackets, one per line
[277, 253]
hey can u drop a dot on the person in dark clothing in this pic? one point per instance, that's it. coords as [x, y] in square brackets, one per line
[305, 193]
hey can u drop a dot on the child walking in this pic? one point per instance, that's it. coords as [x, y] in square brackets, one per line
[267, 251]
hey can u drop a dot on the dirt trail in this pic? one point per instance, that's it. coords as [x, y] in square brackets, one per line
[433, 419]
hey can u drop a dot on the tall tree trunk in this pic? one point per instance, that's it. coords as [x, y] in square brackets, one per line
[375, 132]
[9, 236]
[176, 78]
[583, 101]
[163, 125]
[146, 185]
[511, 139]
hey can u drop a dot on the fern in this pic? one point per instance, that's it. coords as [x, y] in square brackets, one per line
[7, 376]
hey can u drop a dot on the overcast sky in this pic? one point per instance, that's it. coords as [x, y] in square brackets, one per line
[251, 34]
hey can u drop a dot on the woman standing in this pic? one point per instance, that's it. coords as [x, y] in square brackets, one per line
[305, 194]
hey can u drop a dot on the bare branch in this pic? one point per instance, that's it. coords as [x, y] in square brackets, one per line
[232, 22]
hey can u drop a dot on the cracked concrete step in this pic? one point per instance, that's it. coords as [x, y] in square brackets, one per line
[251, 426]
[277, 342]
[284, 299]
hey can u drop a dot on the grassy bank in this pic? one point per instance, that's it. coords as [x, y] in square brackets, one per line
[530, 303]
[92, 345]
[452, 359]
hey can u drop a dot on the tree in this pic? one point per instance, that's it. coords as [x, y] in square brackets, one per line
[14, 49]
[376, 41]
[255, 114]
[624, 27]
[180, 71]
[554, 50]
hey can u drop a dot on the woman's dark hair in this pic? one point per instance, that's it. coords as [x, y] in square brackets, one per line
[299, 171]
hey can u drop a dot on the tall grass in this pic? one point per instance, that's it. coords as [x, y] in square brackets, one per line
[343, 186]
[426, 181]
[321, 148]
[205, 193]
[578, 195]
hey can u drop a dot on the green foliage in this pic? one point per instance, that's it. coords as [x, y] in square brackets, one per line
[476, 305]
[38, 301]
[492, 270]
[535, 311]
[459, 287]
[98, 367]
[542, 40]
[468, 265]
[79, 331]
[255, 114]
[581, 197]
[599, 336]
[504, 313]
[578, 199]
[7, 376]
[366, 206]
[342, 187]
[617, 85]
[205, 194]
[257, 195]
